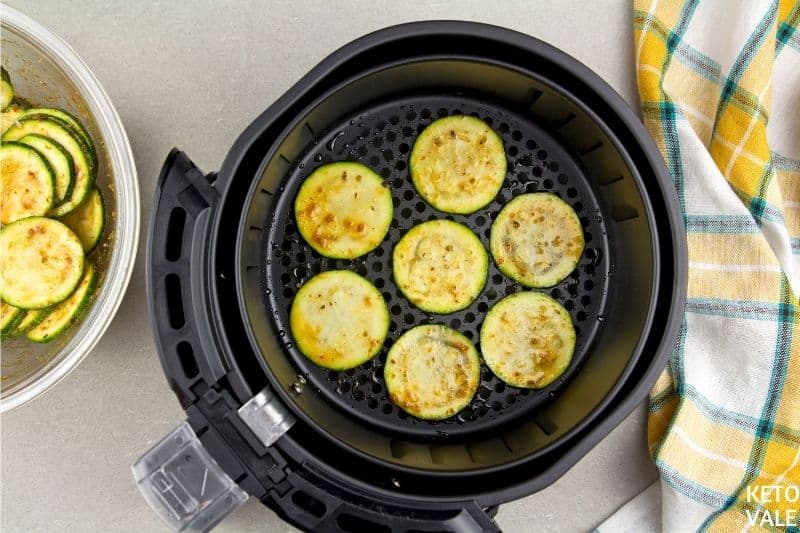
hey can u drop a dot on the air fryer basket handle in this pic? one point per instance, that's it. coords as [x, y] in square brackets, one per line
[179, 228]
[223, 439]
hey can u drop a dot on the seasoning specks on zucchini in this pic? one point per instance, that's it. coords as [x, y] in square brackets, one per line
[26, 183]
[10, 316]
[63, 315]
[339, 319]
[458, 164]
[432, 372]
[537, 240]
[343, 210]
[6, 89]
[527, 340]
[87, 220]
[60, 162]
[440, 266]
[70, 140]
[28, 320]
[48, 168]
[41, 262]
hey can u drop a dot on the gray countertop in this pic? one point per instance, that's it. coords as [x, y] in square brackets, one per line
[193, 75]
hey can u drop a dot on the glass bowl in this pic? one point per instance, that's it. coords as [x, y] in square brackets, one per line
[46, 71]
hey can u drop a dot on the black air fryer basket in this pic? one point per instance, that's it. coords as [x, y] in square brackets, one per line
[327, 450]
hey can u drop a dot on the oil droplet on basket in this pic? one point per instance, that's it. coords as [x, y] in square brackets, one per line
[301, 165]
[267, 291]
[281, 333]
[332, 143]
[600, 318]
[318, 158]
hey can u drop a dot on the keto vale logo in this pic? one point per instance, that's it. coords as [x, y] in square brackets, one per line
[774, 505]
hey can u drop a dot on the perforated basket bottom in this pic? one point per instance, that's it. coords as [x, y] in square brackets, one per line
[381, 137]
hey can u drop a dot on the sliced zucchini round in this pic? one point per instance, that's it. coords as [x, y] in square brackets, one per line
[60, 161]
[440, 266]
[343, 210]
[432, 372]
[339, 320]
[458, 164]
[65, 314]
[6, 89]
[41, 262]
[527, 340]
[72, 122]
[26, 183]
[87, 220]
[28, 320]
[9, 115]
[537, 240]
[10, 317]
[70, 140]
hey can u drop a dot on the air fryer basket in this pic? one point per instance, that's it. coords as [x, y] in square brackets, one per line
[225, 259]
[381, 137]
[559, 147]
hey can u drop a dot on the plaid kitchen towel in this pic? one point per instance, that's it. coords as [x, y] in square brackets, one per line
[719, 82]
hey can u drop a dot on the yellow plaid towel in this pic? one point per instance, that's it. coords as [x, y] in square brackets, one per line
[720, 90]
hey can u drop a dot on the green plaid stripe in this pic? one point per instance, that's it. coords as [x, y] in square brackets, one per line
[787, 31]
[766, 423]
[782, 162]
[737, 309]
[689, 487]
[721, 224]
[780, 433]
[739, 67]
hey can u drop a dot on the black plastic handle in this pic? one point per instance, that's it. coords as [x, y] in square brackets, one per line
[177, 283]
[307, 498]
[184, 202]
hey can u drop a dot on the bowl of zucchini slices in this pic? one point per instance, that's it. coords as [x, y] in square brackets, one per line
[69, 210]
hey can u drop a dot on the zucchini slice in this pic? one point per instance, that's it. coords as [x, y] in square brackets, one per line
[339, 319]
[537, 240]
[65, 314]
[10, 316]
[87, 220]
[26, 183]
[432, 372]
[343, 210]
[60, 161]
[72, 122]
[527, 340]
[6, 89]
[28, 320]
[458, 164]
[41, 262]
[440, 266]
[9, 116]
[61, 133]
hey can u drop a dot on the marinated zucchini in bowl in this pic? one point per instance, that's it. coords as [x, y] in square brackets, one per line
[52, 216]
